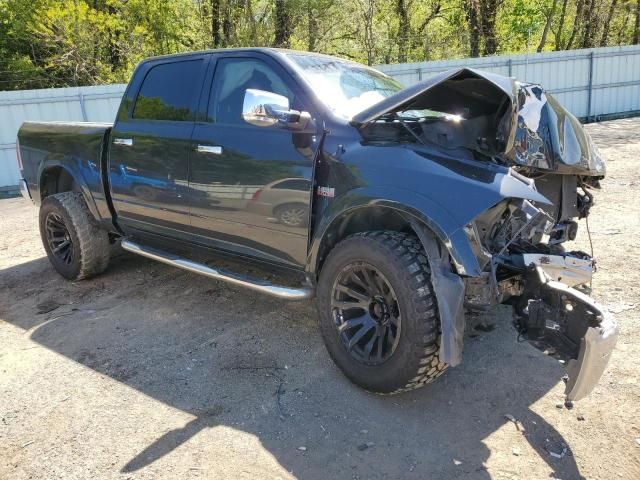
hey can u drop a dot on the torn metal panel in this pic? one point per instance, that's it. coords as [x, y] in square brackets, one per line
[548, 137]
[570, 270]
[449, 290]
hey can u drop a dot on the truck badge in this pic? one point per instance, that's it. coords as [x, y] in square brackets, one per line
[327, 192]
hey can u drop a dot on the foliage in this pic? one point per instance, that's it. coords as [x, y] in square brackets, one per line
[53, 43]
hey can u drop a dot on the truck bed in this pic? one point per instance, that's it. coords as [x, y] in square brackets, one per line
[75, 147]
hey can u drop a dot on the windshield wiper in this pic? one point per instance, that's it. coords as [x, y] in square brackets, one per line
[409, 129]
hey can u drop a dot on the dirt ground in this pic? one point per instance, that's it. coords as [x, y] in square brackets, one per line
[152, 372]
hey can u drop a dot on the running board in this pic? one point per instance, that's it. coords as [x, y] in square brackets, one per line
[256, 284]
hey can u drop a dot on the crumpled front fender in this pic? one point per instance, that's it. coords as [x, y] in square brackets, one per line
[445, 193]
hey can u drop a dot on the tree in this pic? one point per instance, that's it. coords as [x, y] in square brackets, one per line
[404, 29]
[560, 28]
[53, 43]
[216, 39]
[607, 23]
[482, 17]
[489, 12]
[636, 30]
[473, 13]
[282, 24]
[367, 10]
[549, 14]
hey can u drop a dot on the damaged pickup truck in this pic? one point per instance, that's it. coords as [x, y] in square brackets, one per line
[398, 208]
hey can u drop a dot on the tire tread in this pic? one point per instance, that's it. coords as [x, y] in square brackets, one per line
[409, 256]
[93, 241]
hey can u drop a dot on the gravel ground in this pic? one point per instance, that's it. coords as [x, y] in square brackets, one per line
[151, 372]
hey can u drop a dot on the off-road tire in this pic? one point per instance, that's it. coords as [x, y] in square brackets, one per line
[90, 242]
[401, 259]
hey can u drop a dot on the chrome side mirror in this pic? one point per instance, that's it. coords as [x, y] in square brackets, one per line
[264, 109]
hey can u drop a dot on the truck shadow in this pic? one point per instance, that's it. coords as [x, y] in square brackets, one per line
[236, 359]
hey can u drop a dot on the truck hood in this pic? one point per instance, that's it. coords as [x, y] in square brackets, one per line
[496, 116]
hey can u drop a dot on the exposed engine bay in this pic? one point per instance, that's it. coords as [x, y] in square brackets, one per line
[478, 116]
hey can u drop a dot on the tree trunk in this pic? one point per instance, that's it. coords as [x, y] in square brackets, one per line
[547, 25]
[403, 30]
[228, 23]
[489, 13]
[607, 23]
[559, 31]
[312, 27]
[622, 29]
[472, 12]
[576, 23]
[369, 40]
[215, 23]
[636, 29]
[282, 25]
[251, 20]
[590, 22]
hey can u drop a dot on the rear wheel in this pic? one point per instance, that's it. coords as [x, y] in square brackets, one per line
[378, 313]
[76, 246]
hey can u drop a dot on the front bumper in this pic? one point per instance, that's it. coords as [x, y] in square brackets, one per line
[595, 351]
[569, 325]
[24, 190]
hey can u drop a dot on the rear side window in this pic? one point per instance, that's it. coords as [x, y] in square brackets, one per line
[168, 92]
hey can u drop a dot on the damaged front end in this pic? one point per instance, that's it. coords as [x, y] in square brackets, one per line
[548, 288]
[519, 244]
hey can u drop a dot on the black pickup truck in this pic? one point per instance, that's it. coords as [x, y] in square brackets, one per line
[399, 209]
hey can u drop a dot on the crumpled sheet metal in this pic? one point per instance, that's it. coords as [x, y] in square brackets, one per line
[449, 290]
[549, 137]
[535, 130]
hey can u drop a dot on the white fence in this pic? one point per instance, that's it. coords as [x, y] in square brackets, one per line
[591, 83]
[97, 104]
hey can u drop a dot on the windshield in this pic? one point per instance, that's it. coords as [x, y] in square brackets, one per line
[346, 88]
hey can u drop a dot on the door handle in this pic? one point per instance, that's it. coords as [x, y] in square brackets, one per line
[126, 142]
[213, 149]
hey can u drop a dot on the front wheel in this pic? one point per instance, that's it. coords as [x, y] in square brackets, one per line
[378, 313]
[76, 245]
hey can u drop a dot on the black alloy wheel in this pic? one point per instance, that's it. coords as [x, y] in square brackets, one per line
[58, 238]
[366, 313]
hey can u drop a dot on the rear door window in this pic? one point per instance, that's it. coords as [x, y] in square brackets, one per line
[169, 91]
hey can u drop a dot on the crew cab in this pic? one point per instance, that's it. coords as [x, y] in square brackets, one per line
[398, 208]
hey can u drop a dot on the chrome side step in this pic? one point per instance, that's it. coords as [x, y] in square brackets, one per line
[256, 284]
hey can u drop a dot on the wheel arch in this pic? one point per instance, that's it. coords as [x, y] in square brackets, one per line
[388, 215]
[57, 178]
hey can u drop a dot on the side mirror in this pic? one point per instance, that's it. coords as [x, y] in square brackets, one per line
[266, 109]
